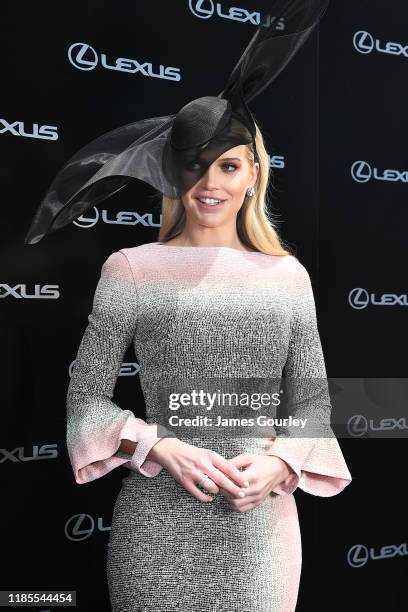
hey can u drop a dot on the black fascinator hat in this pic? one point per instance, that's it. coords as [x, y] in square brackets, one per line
[172, 152]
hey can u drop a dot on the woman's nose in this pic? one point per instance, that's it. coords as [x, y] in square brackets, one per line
[209, 177]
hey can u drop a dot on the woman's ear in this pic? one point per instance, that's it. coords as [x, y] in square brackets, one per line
[255, 171]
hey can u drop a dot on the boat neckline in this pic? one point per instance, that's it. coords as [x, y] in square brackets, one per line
[190, 246]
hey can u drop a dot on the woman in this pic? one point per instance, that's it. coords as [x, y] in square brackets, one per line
[204, 521]
[218, 294]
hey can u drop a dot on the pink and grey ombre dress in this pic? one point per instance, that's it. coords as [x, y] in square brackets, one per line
[198, 312]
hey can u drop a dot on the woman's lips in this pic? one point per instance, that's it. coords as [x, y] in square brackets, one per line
[210, 207]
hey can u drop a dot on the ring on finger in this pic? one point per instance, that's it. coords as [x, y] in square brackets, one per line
[203, 479]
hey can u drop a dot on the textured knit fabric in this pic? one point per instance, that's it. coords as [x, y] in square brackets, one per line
[197, 311]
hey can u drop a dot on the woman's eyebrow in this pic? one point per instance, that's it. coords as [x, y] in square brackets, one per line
[225, 158]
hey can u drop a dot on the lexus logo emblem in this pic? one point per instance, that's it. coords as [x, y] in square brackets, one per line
[361, 171]
[204, 9]
[359, 298]
[76, 55]
[363, 42]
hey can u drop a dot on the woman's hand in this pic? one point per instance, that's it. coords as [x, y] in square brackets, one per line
[263, 472]
[187, 464]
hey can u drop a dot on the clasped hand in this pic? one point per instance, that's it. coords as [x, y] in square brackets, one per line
[263, 472]
[245, 480]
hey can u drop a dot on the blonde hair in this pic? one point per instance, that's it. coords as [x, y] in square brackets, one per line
[256, 226]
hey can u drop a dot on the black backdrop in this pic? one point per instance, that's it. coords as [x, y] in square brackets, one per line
[334, 122]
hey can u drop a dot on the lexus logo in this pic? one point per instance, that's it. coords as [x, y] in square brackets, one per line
[123, 217]
[84, 57]
[362, 172]
[204, 9]
[359, 555]
[357, 425]
[21, 128]
[365, 43]
[76, 54]
[359, 298]
[82, 526]
[88, 221]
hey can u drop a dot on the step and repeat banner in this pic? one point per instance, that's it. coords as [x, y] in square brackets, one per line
[334, 124]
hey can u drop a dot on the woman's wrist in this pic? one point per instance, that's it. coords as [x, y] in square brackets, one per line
[286, 469]
[159, 449]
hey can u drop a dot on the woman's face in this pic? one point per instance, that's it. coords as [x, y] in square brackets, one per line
[226, 181]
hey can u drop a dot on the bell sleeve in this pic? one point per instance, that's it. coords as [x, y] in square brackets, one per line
[317, 464]
[95, 424]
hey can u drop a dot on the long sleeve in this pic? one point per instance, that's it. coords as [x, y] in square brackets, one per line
[318, 464]
[95, 424]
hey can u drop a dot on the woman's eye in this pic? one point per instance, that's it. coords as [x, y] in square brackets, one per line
[230, 166]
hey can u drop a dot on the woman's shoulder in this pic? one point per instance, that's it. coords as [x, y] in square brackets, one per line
[122, 261]
[300, 277]
[135, 253]
[292, 264]
[296, 265]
